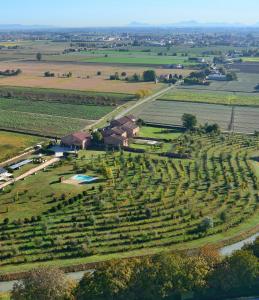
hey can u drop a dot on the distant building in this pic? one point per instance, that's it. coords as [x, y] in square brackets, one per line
[80, 140]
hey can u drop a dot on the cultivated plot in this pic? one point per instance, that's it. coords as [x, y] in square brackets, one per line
[246, 119]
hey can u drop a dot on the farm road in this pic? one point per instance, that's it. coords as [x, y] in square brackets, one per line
[144, 100]
[31, 172]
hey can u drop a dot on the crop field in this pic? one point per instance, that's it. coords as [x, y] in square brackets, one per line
[247, 67]
[228, 98]
[116, 216]
[11, 144]
[40, 124]
[54, 112]
[84, 77]
[245, 84]
[170, 113]
[88, 112]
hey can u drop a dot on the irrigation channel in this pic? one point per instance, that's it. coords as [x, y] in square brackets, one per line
[6, 286]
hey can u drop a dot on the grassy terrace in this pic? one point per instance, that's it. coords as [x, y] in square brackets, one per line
[142, 204]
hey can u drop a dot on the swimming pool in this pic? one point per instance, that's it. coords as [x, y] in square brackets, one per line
[84, 178]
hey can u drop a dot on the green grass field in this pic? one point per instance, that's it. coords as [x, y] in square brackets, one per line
[250, 59]
[143, 204]
[11, 144]
[212, 97]
[153, 60]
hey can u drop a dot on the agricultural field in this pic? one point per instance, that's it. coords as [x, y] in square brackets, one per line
[245, 119]
[11, 144]
[54, 112]
[228, 98]
[140, 204]
[46, 125]
[247, 67]
[245, 84]
[88, 112]
[84, 77]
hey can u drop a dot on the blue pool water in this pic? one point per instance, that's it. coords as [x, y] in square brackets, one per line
[84, 178]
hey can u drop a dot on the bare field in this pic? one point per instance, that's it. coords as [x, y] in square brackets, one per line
[32, 76]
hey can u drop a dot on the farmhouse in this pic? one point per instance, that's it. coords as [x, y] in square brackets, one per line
[123, 120]
[119, 131]
[116, 140]
[131, 129]
[80, 140]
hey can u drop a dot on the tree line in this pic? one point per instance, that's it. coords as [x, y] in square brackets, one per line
[204, 275]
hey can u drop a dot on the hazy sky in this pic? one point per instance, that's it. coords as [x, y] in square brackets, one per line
[118, 12]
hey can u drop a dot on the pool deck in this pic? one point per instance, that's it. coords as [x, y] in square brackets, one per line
[72, 181]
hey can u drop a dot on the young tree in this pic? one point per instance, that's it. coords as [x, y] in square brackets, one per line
[189, 121]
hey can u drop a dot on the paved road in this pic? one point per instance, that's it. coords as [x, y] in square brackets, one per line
[31, 172]
[144, 100]
[129, 109]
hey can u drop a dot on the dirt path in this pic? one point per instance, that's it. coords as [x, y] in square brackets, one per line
[31, 172]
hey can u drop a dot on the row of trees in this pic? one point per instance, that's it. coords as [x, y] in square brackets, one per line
[202, 276]
[11, 72]
[148, 76]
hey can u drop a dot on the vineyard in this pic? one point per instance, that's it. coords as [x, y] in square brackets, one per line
[51, 112]
[40, 123]
[140, 202]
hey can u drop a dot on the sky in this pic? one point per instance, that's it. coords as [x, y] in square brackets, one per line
[84, 13]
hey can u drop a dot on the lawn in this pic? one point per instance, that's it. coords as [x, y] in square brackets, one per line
[143, 204]
[11, 144]
[159, 133]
